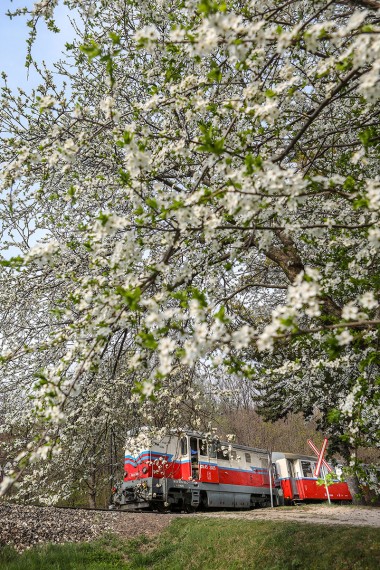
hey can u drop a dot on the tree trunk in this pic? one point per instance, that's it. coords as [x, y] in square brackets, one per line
[92, 488]
[355, 489]
[92, 499]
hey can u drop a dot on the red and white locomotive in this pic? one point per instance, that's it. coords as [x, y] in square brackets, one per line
[185, 470]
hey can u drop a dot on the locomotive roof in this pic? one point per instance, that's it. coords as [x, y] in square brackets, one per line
[234, 445]
[186, 431]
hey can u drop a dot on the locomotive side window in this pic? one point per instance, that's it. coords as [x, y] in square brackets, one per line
[233, 455]
[212, 449]
[202, 447]
[248, 457]
[183, 445]
[307, 469]
[264, 463]
[222, 453]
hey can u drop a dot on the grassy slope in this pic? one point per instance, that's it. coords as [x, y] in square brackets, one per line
[215, 544]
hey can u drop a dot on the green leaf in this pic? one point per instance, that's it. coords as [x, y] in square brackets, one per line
[215, 73]
[221, 315]
[253, 163]
[124, 177]
[207, 7]
[270, 93]
[199, 296]
[16, 261]
[115, 38]
[152, 203]
[148, 340]
[333, 416]
[366, 136]
[349, 184]
[103, 218]
[130, 296]
[92, 49]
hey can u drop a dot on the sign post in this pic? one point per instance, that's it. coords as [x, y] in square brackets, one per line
[320, 458]
[321, 461]
[327, 490]
[270, 471]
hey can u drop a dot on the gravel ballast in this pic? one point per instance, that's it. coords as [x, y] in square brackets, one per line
[25, 526]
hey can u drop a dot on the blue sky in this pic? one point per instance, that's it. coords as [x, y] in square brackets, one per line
[13, 49]
[13, 34]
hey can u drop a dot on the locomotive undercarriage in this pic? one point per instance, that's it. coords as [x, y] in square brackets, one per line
[176, 495]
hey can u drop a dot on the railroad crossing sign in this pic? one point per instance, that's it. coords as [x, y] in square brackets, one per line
[320, 455]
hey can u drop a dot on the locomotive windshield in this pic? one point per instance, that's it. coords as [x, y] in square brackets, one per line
[183, 445]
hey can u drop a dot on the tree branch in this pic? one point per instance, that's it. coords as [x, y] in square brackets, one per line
[317, 111]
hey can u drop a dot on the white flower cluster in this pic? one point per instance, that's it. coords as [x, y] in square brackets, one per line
[43, 253]
[45, 8]
[46, 102]
[147, 37]
[108, 107]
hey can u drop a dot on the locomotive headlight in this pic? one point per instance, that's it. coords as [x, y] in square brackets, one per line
[145, 470]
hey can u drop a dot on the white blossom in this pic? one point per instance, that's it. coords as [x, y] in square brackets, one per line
[344, 338]
[368, 301]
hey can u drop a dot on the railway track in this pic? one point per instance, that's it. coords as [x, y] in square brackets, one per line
[136, 511]
[86, 509]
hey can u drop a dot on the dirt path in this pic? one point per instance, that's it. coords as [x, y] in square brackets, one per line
[315, 514]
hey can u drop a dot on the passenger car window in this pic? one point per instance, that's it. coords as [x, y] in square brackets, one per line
[306, 469]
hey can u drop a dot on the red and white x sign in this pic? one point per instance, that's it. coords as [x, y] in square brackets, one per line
[320, 455]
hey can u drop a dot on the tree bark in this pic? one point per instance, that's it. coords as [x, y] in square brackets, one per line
[92, 488]
[355, 489]
[288, 258]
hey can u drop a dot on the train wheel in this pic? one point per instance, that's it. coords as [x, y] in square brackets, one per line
[163, 507]
[190, 508]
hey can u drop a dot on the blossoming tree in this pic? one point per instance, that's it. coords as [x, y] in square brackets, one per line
[204, 193]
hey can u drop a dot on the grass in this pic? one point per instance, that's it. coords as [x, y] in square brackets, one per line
[98, 555]
[214, 544]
